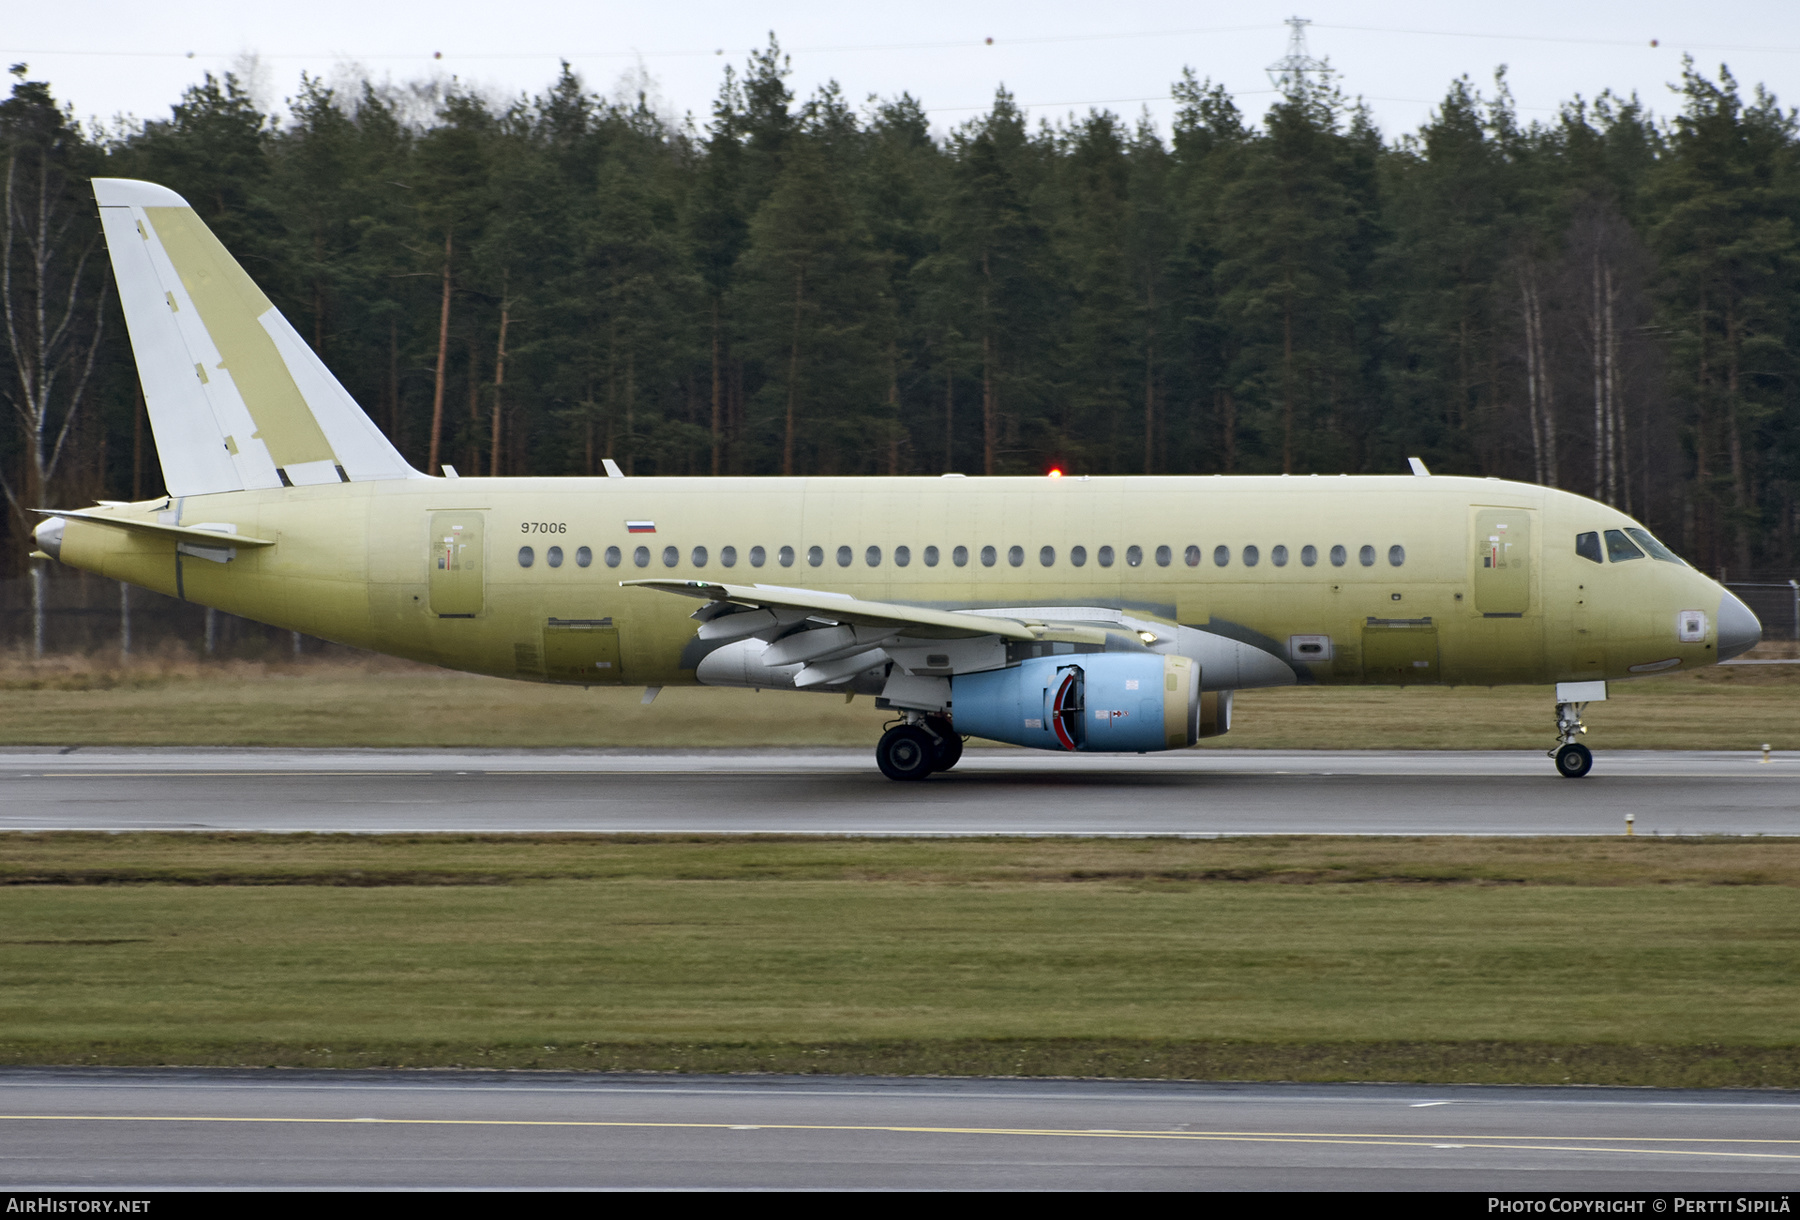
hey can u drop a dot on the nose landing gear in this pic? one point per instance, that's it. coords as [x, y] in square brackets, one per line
[1573, 760]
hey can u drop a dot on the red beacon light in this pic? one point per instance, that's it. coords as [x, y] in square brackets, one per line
[1056, 472]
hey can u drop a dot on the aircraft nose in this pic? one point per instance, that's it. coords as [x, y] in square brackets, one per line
[1739, 630]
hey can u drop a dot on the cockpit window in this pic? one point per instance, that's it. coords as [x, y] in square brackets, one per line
[1588, 546]
[1619, 547]
[1657, 550]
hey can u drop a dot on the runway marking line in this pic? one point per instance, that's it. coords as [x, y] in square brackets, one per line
[223, 774]
[1247, 1137]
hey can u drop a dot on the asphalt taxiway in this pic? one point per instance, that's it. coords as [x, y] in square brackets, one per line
[124, 1129]
[1194, 792]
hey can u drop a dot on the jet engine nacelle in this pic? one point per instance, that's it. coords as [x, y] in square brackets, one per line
[1100, 701]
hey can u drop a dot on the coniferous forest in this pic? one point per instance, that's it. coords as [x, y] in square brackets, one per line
[1608, 301]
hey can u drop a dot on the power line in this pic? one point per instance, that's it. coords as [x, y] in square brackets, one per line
[957, 44]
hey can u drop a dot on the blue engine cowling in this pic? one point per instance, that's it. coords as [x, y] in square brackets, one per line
[1101, 701]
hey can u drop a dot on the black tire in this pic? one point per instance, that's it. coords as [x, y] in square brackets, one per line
[1574, 760]
[949, 751]
[905, 752]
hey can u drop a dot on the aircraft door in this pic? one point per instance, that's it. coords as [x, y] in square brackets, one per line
[1502, 561]
[453, 568]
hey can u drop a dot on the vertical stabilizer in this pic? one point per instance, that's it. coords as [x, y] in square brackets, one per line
[237, 400]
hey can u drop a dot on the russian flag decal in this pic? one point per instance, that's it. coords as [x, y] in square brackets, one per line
[640, 527]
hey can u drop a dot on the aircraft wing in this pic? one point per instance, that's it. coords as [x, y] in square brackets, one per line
[202, 535]
[766, 607]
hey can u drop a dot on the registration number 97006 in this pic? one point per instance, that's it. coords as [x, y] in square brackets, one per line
[543, 527]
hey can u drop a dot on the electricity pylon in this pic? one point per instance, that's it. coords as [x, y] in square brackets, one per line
[1293, 72]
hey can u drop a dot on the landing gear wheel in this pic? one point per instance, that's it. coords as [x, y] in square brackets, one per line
[948, 752]
[1574, 760]
[905, 752]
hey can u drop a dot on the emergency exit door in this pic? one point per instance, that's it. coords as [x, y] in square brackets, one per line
[1502, 567]
[454, 565]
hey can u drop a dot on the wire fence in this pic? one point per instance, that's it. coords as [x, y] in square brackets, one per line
[1775, 602]
[83, 613]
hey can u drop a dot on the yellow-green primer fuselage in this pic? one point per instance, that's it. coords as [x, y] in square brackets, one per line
[1423, 593]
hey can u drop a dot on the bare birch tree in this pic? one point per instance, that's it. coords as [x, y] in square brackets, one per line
[53, 315]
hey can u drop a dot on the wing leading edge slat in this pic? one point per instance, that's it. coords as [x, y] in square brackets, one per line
[915, 620]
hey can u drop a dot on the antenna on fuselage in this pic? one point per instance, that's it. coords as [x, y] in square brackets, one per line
[1418, 468]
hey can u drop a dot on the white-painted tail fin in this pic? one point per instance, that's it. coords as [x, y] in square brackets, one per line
[237, 400]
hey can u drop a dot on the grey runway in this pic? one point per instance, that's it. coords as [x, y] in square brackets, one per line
[1195, 792]
[173, 1129]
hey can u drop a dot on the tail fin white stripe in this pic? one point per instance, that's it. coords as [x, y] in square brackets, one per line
[236, 398]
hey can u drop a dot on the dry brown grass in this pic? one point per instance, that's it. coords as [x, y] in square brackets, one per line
[86, 859]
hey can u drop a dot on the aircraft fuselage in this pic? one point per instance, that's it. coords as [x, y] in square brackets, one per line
[1346, 580]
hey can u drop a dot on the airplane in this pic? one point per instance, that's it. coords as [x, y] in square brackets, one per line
[1073, 613]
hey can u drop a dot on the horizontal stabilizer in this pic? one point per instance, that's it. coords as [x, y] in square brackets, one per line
[175, 533]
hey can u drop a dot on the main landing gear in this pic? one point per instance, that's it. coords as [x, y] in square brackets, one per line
[917, 746]
[1573, 760]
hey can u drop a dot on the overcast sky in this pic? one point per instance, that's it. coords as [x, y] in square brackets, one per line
[110, 58]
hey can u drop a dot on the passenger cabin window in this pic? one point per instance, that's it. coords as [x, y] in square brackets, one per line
[1251, 556]
[902, 556]
[583, 556]
[815, 555]
[988, 556]
[1192, 556]
[1134, 556]
[526, 556]
[1338, 555]
[931, 557]
[1047, 556]
[960, 557]
[758, 557]
[1221, 556]
[553, 557]
[613, 557]
[641, 557]
[699, 557]
[1396, 556]
[728, 556]
[872, 557]
[1366, 557]
[1078, 556]
[1278, 556]
[1015, 555]
[1619, 548]
[1588, 546]
[843, 556]
[1105, 556]
[785, 556]
[671, 556]
[1309, 555]
[1163, 556]
[1657, 550]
